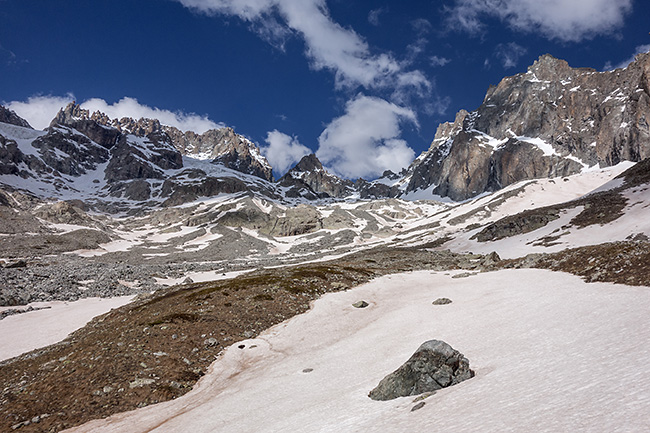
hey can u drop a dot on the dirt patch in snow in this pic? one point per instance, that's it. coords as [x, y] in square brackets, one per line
[598, 208]
[616, 262]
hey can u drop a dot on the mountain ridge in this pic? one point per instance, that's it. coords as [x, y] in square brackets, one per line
[553, 120]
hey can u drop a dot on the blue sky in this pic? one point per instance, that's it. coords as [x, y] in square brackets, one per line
[364, 84]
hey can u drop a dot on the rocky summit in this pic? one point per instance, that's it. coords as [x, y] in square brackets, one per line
[553, 120]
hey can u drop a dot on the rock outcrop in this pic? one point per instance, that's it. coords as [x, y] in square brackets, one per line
[433, 366]
[553, 120]
[10, 117]
[222, 145]
[309, 178]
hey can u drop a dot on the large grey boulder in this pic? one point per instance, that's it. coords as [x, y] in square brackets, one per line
[433, 366]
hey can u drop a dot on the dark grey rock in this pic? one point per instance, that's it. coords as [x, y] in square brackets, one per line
[433, 366]
[418, 406]
[9, 116]
[16, 264]
[442, 301]
[360, 304]
[73, 116]
[310, 180]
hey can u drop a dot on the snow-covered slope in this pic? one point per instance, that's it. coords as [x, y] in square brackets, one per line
[537, 367]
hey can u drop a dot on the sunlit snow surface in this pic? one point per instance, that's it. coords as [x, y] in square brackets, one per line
[551, 354]
[21, 333]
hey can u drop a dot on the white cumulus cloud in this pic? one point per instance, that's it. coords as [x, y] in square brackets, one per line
[569, 21]
[364, 141]
[130, 107]
[509, 54]
[39, 110]
[437, 61]
[373, 15]
[329, 45]
[283, 151]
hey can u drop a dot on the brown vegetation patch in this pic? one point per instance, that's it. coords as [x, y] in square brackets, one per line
[599, 208]
[156, 348]
[617, 262]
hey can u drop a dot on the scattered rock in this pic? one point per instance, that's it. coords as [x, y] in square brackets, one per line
[433, 366]
[418, 406]
[360, 304]
[464, 275]
[16, 264]
[211, 342]
[442, 301]
[307, 370]
[140, 382]
[423, 396]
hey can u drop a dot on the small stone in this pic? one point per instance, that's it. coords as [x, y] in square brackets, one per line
[211, 342]
[442, 301]
[241, 346]
[423, 396]
[17, 264]
[418, 406]
[307, 370]
[464, 275]
[140, 382]
[360, 304]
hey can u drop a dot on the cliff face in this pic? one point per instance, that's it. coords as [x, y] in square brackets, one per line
[223, 145]
[310, 179]
[553, 120]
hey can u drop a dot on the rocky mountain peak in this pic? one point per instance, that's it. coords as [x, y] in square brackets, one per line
[547, 68]
[553, 120]
[308, 163]
[309, 179]
[73, 116]
[9, 116]
[70, 114]
[223, 145]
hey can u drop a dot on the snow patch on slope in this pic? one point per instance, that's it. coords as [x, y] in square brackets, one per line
[537, 368]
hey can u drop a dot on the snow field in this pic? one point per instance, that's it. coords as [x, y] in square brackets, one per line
[551, 353]
[24, 332]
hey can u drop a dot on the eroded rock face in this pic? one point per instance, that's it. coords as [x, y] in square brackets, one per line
[553, 120]
[74, 116]
[9, 116]
[310, 176]
[433, 366]
[222, 144]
